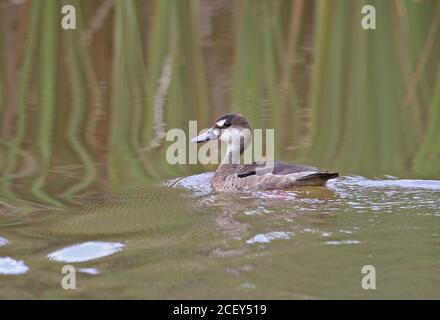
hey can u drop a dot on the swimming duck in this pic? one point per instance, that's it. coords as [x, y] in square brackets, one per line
[231, 175]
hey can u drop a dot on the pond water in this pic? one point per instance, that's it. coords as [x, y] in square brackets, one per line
[84, 179]
[179, 239]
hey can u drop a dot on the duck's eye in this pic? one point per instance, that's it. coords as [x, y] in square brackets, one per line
[226, 124]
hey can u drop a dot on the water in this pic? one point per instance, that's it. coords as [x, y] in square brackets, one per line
[178, 239]
[84, 179]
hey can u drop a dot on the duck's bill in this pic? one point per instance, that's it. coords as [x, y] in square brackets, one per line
[205, 136]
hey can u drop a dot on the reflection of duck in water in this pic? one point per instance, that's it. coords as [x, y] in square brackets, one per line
[233, 176]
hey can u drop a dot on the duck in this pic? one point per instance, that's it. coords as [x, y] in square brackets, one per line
[232, 175]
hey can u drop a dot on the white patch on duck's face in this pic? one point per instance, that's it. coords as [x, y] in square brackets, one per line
[221, 122]
[216, 132]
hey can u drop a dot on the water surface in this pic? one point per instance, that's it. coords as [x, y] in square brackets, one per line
[179, 239]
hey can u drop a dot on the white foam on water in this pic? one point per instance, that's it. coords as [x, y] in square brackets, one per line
[3, 241]
[268, 237]
[200, 183]
[9, 266]
[339, 242]
[86, 251]
[90, 271]
[389, 183]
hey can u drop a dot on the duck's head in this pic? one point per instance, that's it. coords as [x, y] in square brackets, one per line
[232, 128]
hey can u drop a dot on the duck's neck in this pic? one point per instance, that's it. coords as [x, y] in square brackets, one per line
[232, 157]
[234, 152]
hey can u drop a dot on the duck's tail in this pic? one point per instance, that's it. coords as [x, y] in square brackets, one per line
[317, 178]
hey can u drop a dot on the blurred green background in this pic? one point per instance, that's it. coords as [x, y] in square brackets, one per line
[87, 109]
[83, 117]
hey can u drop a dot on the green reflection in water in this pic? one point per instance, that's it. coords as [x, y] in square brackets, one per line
[88, 114]
[83, 118]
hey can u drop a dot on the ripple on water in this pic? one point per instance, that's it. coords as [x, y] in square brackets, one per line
[85, 251]
[198, 183]
[386, 195]
[316, 231]
[9, 266]
[201, 183]
[268, 237]
[3, 241]
[90, 271]
[345, 194]
[433, 185]
[341, 242]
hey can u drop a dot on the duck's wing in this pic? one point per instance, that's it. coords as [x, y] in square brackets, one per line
[281, 168]
[300, 172]
[263, 167]
[275, 167]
